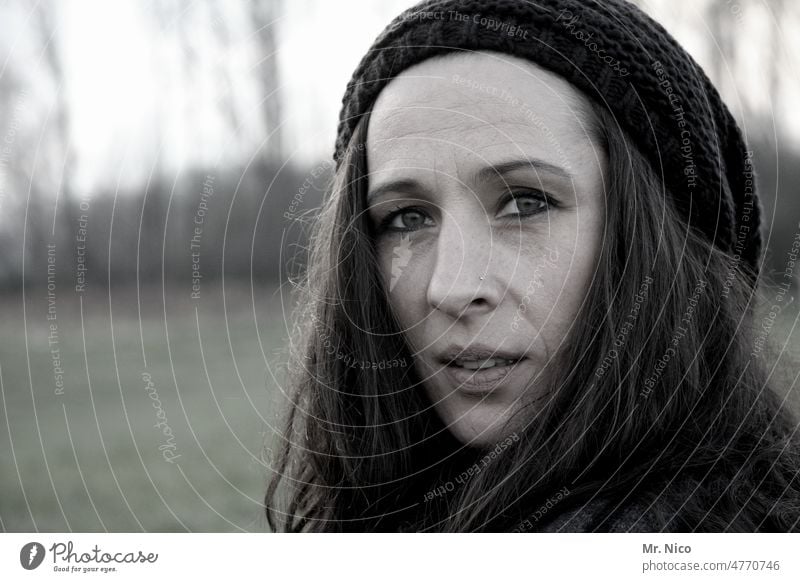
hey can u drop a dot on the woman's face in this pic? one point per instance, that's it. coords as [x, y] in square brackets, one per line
[488, 198]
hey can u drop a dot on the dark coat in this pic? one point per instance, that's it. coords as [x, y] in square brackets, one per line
[598, 515]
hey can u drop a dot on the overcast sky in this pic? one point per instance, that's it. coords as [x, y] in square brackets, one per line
[134, 105]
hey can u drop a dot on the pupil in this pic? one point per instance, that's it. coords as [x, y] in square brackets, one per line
[527, 204]
[412, 219]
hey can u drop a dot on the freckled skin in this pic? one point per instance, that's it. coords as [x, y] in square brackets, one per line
[439, 123]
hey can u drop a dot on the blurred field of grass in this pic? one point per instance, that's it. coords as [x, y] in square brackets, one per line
[89, 459]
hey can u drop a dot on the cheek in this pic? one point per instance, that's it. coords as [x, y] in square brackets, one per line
[570, 285]
[400, 271]
[561, 279]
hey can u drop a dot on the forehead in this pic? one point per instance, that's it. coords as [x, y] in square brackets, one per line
[476, 106]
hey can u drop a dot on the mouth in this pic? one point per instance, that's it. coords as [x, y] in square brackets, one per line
[480, 370]
[484, 364]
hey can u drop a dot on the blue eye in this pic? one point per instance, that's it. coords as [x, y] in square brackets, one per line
[405, 220]
[525, 203]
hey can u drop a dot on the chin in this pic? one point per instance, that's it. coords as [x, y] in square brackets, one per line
[475, 422]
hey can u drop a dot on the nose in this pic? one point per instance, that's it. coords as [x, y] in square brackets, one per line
[462, 282]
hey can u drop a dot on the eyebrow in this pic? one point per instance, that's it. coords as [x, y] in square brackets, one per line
[485, 174]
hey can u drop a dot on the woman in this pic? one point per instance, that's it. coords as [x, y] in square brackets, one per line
[530, 293]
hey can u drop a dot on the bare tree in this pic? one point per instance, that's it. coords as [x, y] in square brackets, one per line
[265, 16]
[61, 169]
[779, 13]
[13, 176]
[722, 25]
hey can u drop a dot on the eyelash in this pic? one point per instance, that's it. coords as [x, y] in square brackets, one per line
[538, 195]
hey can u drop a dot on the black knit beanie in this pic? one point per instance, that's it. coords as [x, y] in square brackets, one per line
[618, 56]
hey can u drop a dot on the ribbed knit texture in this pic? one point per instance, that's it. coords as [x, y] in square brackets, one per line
[601, 516]
[689, 136]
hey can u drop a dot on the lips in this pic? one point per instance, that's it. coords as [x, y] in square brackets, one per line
[482, 364]
[477, 352]
[479, 369]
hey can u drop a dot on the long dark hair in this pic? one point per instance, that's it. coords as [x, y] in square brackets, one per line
[664, 400]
